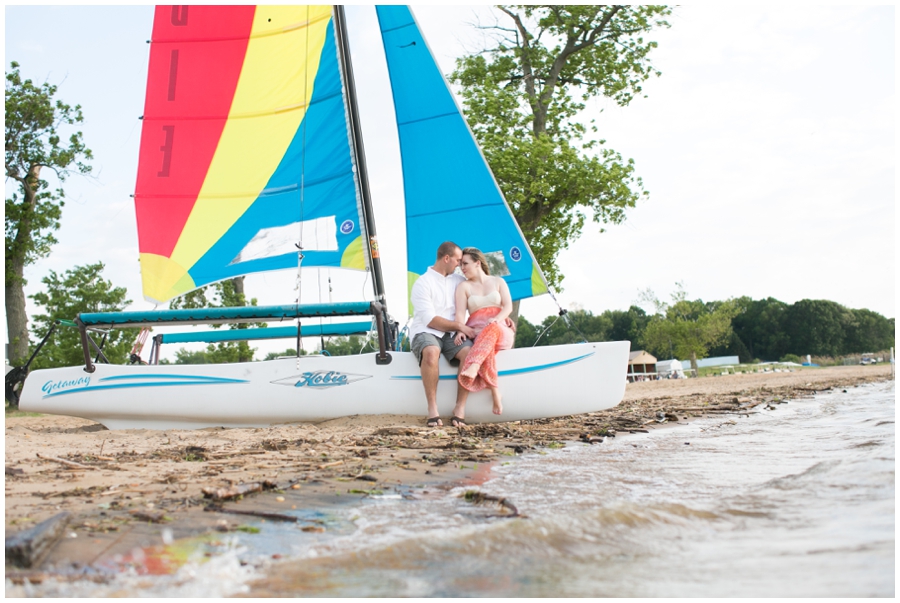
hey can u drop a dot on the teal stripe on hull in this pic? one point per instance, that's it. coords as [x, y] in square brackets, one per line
[161, 382]
[520, 371]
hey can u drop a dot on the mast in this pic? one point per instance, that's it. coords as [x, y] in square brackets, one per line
[359, 154]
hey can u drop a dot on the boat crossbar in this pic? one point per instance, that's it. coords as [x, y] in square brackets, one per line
[235, 315]
[346, 328]
[211, 316]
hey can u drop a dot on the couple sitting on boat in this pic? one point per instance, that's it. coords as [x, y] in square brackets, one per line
[440, 299]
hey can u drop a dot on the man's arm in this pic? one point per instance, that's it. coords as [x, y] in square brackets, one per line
[442, 324]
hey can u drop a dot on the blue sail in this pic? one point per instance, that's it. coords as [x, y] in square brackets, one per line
[451, 194]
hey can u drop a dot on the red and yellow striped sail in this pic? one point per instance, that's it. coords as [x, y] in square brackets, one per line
[244, 148]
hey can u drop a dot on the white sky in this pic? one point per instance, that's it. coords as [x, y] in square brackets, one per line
[767, 146]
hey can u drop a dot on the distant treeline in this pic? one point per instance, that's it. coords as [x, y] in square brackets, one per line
[765, 329]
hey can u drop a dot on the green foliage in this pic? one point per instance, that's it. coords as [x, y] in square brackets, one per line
[772, 329]
[627, 325]
[522, 100]
[582, 325]
[817, 326]
[765, 329]
[526, 333]
[33, 141]
[687, 329]
[35, 123]
[867, 331]
[224, 294]
[761, 327]
[287, 352]
[346, 346]
[81, 289]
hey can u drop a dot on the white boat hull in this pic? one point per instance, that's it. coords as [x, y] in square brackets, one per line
[539, 382]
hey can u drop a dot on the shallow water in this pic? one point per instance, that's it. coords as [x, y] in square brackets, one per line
[796, 501]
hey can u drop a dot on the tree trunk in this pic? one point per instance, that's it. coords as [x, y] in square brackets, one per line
[16, 318]
[514, 315]
[239, 288]
[694, 363]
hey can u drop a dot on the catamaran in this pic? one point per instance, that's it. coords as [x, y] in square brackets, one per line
[252, 160]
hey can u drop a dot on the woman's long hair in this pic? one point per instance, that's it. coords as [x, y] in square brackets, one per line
[475, 254]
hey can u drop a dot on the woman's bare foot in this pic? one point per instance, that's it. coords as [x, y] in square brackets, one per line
[471, 371]
[498, 401]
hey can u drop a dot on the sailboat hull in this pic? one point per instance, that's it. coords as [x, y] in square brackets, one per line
[538, 382]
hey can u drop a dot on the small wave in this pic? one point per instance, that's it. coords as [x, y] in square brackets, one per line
[869, 444]
[789, 482]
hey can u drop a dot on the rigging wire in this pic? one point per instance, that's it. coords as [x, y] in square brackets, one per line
[299, 283]
[564, 314]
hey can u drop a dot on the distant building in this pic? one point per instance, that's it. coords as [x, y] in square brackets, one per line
[641, 366]
[670, 369]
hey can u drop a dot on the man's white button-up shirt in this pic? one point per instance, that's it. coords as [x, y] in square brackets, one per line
[433, 295]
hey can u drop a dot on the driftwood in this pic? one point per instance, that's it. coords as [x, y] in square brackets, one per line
[28, 547]
[480, 497]
[239, 490]
[218, 455]
[331, 464]
[262, 514]
[72, 464]
[151, 516]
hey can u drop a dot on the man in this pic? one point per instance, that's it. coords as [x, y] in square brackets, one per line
[433, 329]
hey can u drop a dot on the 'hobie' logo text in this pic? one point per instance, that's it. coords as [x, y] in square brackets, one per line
[321, 379]
[52, 387]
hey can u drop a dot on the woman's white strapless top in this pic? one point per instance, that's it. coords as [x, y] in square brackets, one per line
[477, 302]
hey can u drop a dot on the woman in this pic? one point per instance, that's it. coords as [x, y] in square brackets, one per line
[489, 304]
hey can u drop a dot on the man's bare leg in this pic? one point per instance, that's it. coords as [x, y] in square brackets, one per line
[430, 374]
[462, 393]
[498, 400]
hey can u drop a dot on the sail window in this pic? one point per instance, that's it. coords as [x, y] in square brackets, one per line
[314, 235]
[497, 263]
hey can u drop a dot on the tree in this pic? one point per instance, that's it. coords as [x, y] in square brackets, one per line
[628, 325]
[761, 326]
[224, 294]
[687, 329]
[345, 346]
[526, 333]
[34, 120]
[816, 327]
[868, 331]
[522, 99]
[81, 289]
[287, 352]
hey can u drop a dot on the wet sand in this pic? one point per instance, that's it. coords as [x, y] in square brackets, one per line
[133, 488]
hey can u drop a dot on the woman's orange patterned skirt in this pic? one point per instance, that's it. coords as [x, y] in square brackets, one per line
[493, 337]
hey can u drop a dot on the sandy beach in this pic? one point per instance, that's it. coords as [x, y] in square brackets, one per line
[124, 488]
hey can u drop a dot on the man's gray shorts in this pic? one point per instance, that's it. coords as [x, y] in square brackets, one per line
[448, 347]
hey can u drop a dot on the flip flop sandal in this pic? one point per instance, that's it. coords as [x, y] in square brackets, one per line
[433, 422]
[458, 422]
